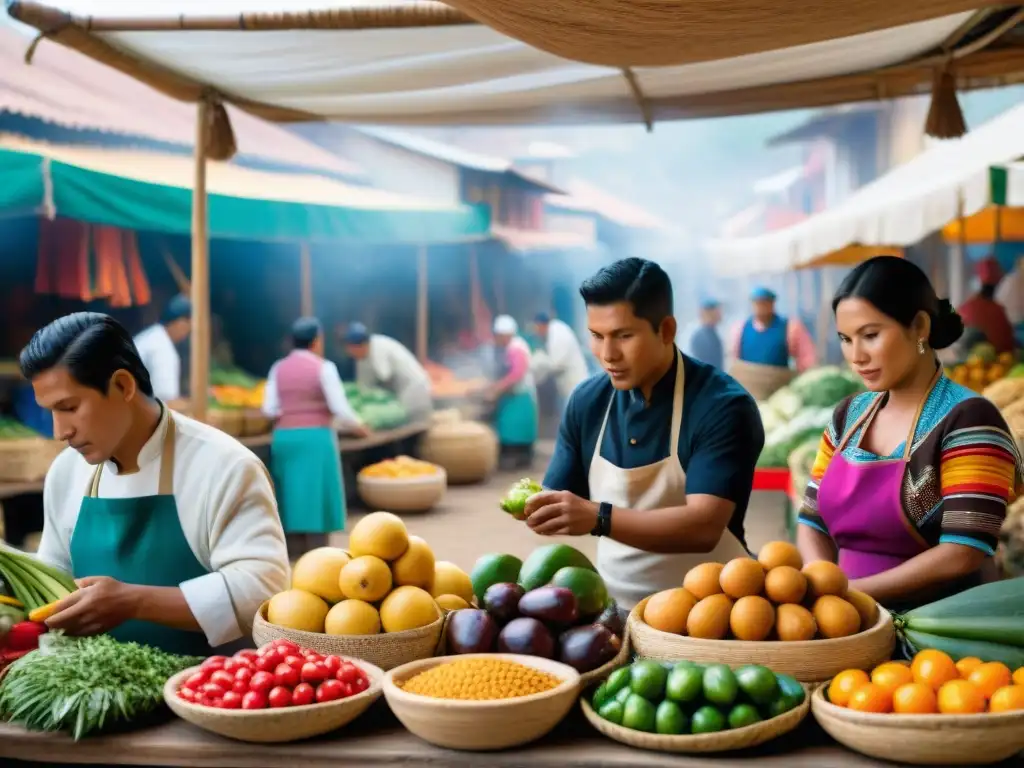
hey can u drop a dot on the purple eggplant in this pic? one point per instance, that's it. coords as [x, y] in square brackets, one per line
[527, 636]
[555, 606]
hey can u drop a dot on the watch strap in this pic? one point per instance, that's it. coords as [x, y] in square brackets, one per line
[603, 526]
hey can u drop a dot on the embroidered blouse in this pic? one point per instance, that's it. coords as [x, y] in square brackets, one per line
[964, 467]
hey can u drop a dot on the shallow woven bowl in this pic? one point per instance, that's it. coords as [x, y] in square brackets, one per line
[809, 661]
[275, 725]
[386, 650]
[403, 494]
[723, 741]
[482, 725]
[979, 739]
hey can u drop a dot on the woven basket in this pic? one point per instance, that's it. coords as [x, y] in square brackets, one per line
[228, 420]
[723, 741]
[387, 650]
[809, 661]
[468, 450]
[761, 381]
[254, 423]
[275, 725]
[25, 460]
[979, 739]
[482, 725]
[403, 494]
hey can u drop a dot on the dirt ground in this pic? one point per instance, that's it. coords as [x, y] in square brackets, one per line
[468, 523]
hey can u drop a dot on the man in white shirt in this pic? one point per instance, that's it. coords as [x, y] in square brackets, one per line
[158, 350]
[562, 356]
[384, 362]
[169, 526]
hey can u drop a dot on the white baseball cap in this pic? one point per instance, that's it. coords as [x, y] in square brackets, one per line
[506, 325]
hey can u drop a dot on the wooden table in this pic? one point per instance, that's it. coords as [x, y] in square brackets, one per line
[377, 738]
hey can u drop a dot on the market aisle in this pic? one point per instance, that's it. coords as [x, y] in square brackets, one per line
[468, 523]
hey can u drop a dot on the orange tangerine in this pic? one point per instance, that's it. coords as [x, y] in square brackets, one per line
[891, 676]
[1018, 676]
[990, 677]
[933, 668]
[871, 698]
[844, 684]
[960, 697]
[914, 699]
[966, 665]
[1009, 698]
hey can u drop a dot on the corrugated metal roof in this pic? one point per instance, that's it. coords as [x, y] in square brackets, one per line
[66, 89]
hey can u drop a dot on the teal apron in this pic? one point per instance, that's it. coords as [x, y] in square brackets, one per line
[139, 541]
[306, 468]
[515, 417]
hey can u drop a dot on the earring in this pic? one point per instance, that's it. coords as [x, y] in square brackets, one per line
[920, 347]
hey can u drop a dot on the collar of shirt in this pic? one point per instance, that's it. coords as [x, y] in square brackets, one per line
[664, 389]
[759, 326]
[153, 447]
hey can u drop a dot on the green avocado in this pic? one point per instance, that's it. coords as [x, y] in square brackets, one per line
[494, 568]
[544, 562]
[588, 587]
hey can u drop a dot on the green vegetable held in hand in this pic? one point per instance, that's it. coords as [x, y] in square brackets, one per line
[81, 685]
[514, 502]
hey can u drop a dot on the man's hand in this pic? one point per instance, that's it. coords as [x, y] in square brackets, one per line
[361, 430]
[560, 513]
[99, 605]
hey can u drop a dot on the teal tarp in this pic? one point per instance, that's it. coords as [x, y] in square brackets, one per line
[102, 198]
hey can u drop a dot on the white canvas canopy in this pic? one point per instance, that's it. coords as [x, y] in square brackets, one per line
[898, 209]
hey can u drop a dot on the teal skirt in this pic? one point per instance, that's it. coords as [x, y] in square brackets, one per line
[515, 419]
[306, 467]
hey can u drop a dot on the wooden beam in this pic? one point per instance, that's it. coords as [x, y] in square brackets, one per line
[306, 279]
[199, 373]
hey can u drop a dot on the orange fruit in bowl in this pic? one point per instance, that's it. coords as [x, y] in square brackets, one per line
[891, 676]
[933, 668]
[967, 664]
[871, 698]
[1009, 698]
[844, 684]
[914, 699]
[990, 677]
[1018, 676]
[960, 697]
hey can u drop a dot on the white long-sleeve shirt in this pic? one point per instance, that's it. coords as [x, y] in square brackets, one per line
[162, 360]
[562, 358]
[228, 515]
[391, 366]
[334, 393]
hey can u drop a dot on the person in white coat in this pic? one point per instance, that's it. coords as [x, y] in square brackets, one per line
[384, 362]
[561, 357]
[157, 346]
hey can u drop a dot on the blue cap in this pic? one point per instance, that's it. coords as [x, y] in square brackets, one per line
[178, 308]
[542, 318]
[357, 334]
[710, 303]
[762, 294]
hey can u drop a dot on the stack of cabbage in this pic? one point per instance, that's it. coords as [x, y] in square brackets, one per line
[795, 416]
[377, 407]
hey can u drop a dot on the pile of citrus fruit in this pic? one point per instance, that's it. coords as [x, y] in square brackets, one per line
[930, 684]
[401, 467]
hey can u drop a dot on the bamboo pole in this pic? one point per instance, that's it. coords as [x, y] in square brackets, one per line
[474, 282]
[306, 278]
[825, 313]
[957, 259]
[422, 313]
[199, 373]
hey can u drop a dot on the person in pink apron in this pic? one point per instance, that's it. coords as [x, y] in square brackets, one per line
[909, 489]
[657, 455]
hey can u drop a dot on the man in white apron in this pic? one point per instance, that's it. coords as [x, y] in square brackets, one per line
[658, 457]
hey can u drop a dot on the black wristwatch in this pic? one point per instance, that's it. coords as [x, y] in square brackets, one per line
[603, 526]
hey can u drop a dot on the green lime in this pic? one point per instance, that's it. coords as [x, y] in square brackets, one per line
[790, 686]
[707, 719]
[601, 695]
[743, 714]
[670, 719]
[647, 679]
[639, 714]
[720, 686]
[622, 695]
[617, 680]
[612, 711]
[685, 684]
[758, 683]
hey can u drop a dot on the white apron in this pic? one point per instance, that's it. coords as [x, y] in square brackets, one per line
[632, 574]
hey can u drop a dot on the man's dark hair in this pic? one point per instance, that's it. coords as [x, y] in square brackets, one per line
[640, 282]
[91, 345]
[305, 331]
[178, 308]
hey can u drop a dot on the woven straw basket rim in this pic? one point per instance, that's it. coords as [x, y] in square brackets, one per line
[375, 675]
[884, 620]
[570, 680]
[720, 741]
[408, 634]
[937, 722]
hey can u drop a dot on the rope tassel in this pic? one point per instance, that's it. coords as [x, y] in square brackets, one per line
[945, 117]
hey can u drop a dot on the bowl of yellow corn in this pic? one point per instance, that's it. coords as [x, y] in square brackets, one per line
[481, 701]
[402, 484]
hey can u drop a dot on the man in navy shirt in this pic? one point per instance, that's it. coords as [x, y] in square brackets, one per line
[656, 455]
[706, 344]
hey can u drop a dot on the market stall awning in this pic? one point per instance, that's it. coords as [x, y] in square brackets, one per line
[594, 60]
[898, 209]
[153, 192]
